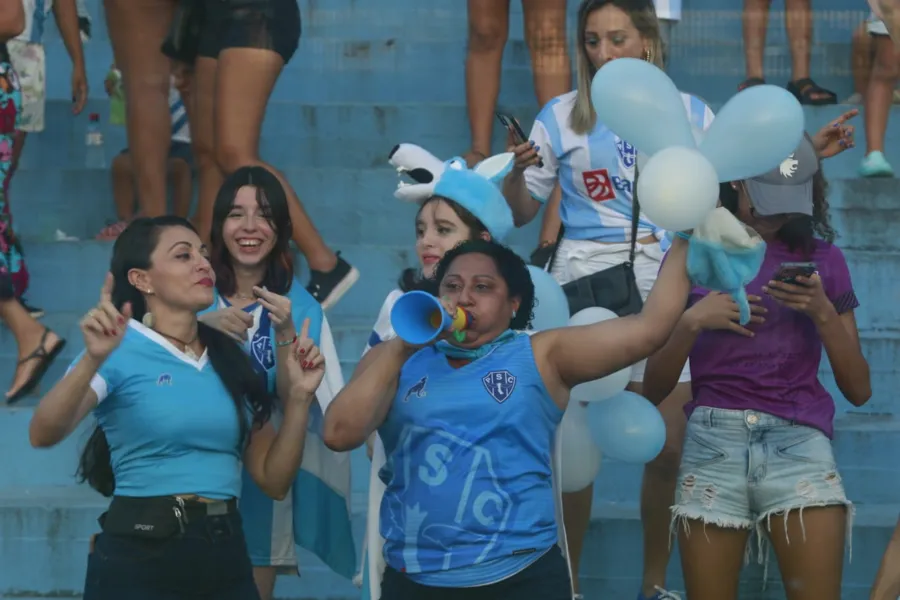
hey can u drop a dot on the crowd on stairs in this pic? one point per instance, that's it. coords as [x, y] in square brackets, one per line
[195, 78]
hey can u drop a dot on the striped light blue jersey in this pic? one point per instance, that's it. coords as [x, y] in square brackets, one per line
[595, 172]
[383, 331]
[181, 131]
[36, 13]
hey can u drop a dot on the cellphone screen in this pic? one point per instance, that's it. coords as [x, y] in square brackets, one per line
[788, 272]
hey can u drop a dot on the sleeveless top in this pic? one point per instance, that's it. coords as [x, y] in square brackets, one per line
[468, 471]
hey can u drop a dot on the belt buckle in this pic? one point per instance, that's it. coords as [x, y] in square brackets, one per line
[216, 509]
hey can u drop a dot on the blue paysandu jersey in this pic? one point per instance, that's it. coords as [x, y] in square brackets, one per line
[468, 470]
[259, 342]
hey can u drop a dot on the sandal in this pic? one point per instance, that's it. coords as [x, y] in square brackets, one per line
[750, 82]
[807, 92]
[45, 358]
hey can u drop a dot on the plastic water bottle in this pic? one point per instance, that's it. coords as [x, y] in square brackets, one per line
[94, 151]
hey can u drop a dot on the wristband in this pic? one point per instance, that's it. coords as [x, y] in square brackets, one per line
[286, 343]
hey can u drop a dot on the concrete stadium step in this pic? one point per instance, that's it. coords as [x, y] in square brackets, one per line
[385, 69]
[704, 19]
[356, 206]
[361, 136]
[66, 276]
[46, 533]
[350, 337]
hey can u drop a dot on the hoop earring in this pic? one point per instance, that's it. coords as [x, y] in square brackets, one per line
[648, 55]
[147, 320]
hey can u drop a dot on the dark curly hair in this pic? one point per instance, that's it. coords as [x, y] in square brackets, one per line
[799, 233]
[512, 269]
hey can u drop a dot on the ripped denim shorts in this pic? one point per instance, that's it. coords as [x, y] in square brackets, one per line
[741, 467]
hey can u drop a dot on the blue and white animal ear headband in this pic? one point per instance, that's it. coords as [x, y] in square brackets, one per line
[477, 189]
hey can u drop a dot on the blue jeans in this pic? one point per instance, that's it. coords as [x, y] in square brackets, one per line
[741, 467]
[208, 562]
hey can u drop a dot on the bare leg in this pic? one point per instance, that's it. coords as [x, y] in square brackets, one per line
[122, 173]
[488, 32]
[711, 559]
[756, 20]
[137, 29]
[245, 79]
[862, 58]
[28, 333]
[880, 92]
[887, 582]
[811, 555]
[658, 491]
[203, 140]
[545, 32]
[576, 520]
[265, 581]
[182, 186]
[798, 23]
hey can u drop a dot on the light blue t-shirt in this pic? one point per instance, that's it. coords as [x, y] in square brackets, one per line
[469, 497]
[171, 424]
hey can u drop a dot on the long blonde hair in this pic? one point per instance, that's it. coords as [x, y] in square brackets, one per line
[643, 16]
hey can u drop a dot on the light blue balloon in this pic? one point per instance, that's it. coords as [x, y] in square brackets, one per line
[551, 309]
[629, 428]
[753, 133]
[640, 104]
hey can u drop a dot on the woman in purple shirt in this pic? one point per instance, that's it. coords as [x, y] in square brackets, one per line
[757, 450]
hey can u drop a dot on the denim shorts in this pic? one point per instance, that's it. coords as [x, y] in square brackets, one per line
[741, 467]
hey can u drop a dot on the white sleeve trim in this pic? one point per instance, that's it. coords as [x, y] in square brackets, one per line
[98, 384]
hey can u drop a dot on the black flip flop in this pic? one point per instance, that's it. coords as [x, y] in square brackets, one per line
[46, 358]
[811, 94]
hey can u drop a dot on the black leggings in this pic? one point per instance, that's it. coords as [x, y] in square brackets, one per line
[545, 579]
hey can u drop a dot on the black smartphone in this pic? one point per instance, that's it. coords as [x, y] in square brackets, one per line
[789, 272]
[512, 125]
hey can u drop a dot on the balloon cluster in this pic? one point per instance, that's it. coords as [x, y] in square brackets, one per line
[680, 170]
[629, 428]
[679, 182]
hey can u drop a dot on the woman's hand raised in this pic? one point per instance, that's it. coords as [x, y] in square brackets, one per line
[104, 326]
[306, 367]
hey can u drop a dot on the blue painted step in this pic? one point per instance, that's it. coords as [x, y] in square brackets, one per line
[360, 136]
[357, 206]
[46, 532]
[389, 70]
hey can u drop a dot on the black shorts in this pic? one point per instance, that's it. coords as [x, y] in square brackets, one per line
[545, 579]
[267, 24]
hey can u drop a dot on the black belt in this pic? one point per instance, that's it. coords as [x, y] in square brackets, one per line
[160, 516]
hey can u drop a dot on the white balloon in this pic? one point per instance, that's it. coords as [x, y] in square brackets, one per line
[579, 455]
[605, 387]
[589, 316]
[678, 188]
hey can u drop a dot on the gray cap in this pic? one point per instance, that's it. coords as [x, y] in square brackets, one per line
[788, 188]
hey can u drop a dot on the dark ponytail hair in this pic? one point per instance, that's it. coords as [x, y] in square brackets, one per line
[133, 250]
